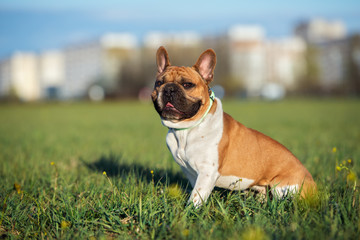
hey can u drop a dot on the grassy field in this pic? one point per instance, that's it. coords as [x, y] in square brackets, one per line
[102, 171]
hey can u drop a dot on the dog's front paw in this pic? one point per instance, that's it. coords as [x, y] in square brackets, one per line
[197, 198]
[196, 201]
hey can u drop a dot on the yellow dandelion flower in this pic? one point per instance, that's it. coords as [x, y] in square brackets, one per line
[52, 163]
[17, 188]
[338, 168]
[351, 177]
[349, 160]
[334, 150]
[104, 173]
[152, 172]
[65, 224]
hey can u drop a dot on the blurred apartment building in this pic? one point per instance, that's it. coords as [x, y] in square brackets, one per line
[285, 61]
[31, 77]
[262, 65]
[51, 73]
[19, 76]
[336, 55]
[69, 73]
[247, 57]
[97, 63]
[320, 30]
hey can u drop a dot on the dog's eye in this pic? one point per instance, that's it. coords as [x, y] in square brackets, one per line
[158, 83]
[188, 85]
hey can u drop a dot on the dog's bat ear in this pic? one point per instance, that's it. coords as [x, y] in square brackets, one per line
[205, 65]
[162, 59]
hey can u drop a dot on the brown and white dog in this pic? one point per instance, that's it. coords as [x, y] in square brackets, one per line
[210, 146]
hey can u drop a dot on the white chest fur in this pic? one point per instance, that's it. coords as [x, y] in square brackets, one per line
[196, 151]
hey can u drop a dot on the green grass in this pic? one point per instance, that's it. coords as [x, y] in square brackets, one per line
[73, 199]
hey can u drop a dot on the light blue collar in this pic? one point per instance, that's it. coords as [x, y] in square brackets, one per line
[212, 98]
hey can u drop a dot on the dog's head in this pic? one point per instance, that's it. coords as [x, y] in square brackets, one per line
[182, 93]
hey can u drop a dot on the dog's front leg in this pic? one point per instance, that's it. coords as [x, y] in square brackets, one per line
[204, 185]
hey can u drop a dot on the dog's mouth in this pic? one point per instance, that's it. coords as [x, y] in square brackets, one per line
[171, 108]
[172, 112]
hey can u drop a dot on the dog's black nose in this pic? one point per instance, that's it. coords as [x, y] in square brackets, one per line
[170, 89]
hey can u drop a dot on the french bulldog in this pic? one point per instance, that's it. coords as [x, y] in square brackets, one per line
[211, 147]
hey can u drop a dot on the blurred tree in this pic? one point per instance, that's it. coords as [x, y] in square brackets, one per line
[232, 86]
[130, 81]
[310, 81]
[12, 96]
[353, 68]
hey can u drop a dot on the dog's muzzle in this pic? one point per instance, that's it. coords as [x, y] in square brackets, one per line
[174, 103]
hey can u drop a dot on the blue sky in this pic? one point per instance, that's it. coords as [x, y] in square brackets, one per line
[36, 25]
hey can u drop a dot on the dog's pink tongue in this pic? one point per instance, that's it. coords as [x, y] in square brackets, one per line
[169, 105]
